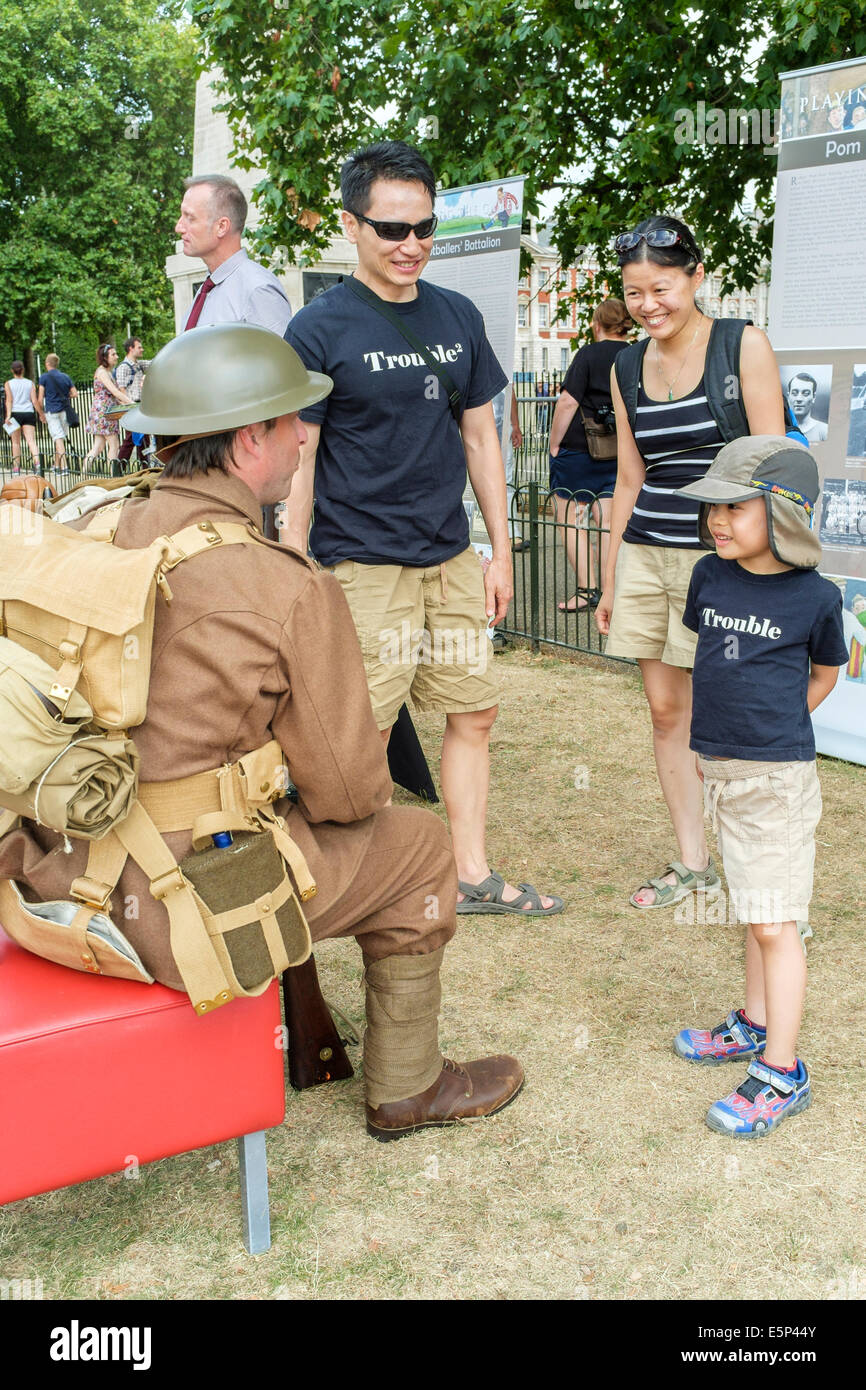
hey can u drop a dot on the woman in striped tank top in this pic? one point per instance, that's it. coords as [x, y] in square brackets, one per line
[653, 532]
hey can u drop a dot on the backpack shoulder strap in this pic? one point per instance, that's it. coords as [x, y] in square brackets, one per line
[628, 366]
[722, 377]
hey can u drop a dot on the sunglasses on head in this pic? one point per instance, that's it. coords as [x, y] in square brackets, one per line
[399, 231]
[662, 236]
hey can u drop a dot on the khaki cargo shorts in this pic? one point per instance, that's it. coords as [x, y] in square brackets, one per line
[765, 816]
[649, 600]
[423, 632]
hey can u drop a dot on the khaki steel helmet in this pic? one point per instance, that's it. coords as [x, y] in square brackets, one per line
[219, 378]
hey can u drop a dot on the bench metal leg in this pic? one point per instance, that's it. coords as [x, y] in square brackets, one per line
[253, 1160]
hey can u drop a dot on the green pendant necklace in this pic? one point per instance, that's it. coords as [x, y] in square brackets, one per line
[671, 384]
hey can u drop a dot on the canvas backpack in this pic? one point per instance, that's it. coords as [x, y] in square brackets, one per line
[76, 631]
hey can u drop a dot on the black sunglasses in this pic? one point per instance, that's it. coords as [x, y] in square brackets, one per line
[662, 236]
[399, 231]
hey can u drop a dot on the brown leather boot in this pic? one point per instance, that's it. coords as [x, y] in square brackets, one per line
[462, 1091]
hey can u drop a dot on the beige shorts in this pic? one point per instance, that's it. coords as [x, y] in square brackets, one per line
[57, 423]
[649, 600]
[423, 632]
[765, 820]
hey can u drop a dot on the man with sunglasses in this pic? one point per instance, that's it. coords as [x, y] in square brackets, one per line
[386, 463]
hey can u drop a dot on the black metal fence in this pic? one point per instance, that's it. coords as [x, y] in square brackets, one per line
[77, 442]
[545, 578]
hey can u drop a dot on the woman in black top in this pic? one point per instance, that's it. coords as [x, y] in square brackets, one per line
[576, 478]
[653, 532]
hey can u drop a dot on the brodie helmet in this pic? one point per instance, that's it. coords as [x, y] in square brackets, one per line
[214, 379]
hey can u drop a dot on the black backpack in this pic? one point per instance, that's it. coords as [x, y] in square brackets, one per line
[721, 371]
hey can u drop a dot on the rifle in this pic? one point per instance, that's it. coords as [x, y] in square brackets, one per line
[316, 1052]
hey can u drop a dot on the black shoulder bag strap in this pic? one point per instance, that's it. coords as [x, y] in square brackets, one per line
[628, 366]
[381, 307]
[721, 377]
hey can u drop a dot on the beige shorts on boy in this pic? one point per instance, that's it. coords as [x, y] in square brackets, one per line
[765, 816]
[650, 590]
[423, 632]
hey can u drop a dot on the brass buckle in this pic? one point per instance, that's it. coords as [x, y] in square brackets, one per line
[171, 882]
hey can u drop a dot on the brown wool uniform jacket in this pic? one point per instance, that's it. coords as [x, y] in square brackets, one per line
[257, 644]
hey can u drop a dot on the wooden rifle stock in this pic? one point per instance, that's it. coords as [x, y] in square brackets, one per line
[316, 1052]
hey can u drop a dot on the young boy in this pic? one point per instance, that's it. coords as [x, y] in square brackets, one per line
[769, 644]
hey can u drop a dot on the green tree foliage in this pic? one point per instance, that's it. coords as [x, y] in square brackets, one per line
[96, 120]
[582, 96]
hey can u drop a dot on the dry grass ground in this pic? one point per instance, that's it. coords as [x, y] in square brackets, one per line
[601, 1181]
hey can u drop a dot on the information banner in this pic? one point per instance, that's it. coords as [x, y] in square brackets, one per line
[476, 251]
[818, 330]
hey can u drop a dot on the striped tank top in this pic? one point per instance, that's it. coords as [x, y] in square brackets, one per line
[678, 441]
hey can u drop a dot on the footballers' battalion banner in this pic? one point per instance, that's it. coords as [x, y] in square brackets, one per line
[818, 329]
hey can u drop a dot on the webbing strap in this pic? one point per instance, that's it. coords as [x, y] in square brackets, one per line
[203, 977]
[105, 861]
[218, 923]
[205, 535]
[291, 852]
[68, 674]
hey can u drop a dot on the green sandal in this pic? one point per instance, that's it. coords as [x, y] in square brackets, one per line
[688, 881]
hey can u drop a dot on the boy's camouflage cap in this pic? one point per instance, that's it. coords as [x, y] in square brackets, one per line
[785, 474]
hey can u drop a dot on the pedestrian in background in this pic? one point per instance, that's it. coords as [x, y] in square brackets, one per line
[22, 409]
[129, 376]
[56, 390]
[105, 431]
[576, 478]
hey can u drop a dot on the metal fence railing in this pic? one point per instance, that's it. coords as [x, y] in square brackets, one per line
[543, 576]
[77, 442]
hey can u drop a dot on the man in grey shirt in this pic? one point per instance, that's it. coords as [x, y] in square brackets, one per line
[237, 290]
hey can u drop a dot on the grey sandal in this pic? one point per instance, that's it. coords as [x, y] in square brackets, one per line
[688, 881]
[487, 897]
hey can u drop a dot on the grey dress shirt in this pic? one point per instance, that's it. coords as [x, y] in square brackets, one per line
[245, 292]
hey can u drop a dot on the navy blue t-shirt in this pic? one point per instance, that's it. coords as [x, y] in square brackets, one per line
[57, 387]
[390, 468]
[757, 634]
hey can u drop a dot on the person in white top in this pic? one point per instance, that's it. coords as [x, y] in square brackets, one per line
[237, 290]
[22, 410]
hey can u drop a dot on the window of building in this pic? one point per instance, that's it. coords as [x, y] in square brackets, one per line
[522, 315]
[524, 359]
[544, 361]
[543, 315]
[563, 359]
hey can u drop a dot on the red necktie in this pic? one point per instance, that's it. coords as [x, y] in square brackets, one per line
[195, 311]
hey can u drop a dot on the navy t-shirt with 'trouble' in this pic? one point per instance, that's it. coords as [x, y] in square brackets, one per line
[757, 634]
[390, 466]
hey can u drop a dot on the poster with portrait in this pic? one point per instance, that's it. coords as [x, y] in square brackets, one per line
[807, 390]
[856, 456]
[818, 329]
[476, 251]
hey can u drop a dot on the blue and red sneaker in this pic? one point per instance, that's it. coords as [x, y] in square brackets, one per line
[765, 1099]
[727, 1042]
